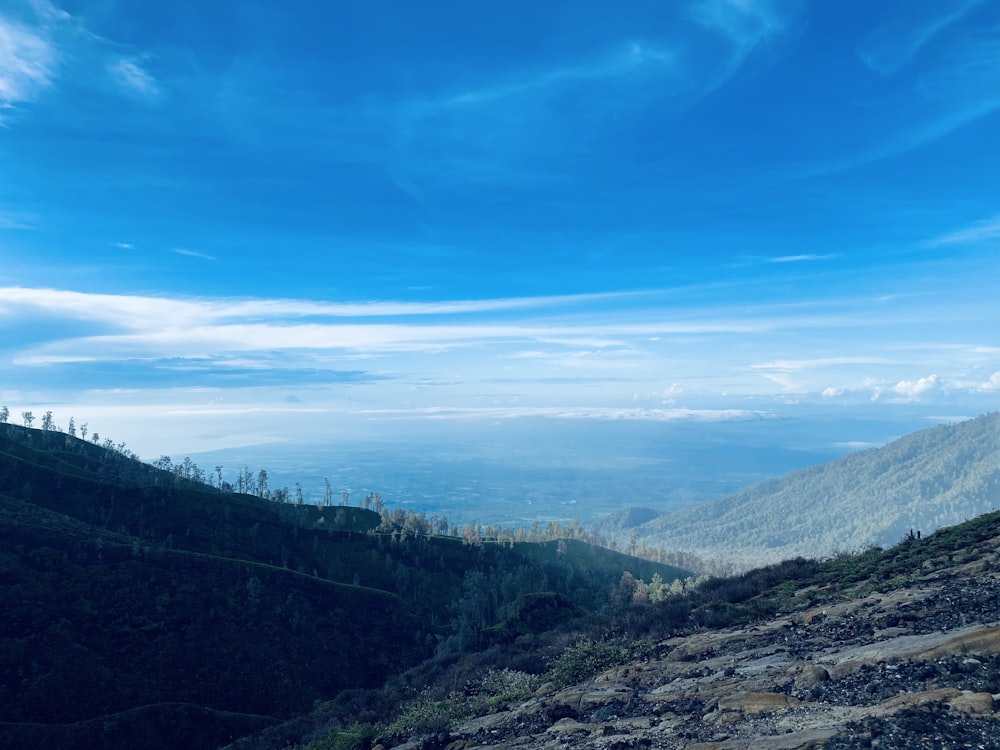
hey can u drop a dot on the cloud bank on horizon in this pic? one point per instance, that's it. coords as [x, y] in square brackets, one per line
[246, 213]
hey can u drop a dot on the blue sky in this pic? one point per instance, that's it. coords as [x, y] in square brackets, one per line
[233, 222]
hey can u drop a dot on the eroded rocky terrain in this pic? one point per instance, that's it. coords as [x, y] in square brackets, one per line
[914, 665]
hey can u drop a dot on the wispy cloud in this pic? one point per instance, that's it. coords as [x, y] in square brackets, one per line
[612, 414]
[28, 62]
[47, 44]
[745, 25]
[795, 365]
[134, 79]
[193, 254]
[582, 351]
[635, 57]
[979, 232]
[953, 87]
[934, 128]
[116, 328]
[138, 311]
[507, 126]
[892, 46]
[798, 258]
[10, 221]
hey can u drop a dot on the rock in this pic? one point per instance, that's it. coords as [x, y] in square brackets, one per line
[735, 707]
[587, 699]
[559, 711]
[811, 676]
[909, 666]
[908, 700]
[976, 704]
[569, 727]
[757, 703]
[976, 641]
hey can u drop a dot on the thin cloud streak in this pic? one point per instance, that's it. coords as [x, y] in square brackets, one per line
[613, 414]
[798, 258]
[193, 254]
[980, 232]
[140, 312]
[891, 47]
[635, 57]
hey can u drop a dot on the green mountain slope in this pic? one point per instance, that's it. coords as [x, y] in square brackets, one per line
[128, 593]
[924, 481]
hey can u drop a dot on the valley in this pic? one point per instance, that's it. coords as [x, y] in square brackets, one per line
[148, 606]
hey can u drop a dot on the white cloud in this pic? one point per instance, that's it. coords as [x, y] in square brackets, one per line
[669, 395]
[978, 232]
[908, 390]
[832, 392]
[797, 258]
[193, 254]
[992, 384]
[131, 76]
[558, 412]
[784, 380]
[136, 312]
[794, 365]
[28, 63]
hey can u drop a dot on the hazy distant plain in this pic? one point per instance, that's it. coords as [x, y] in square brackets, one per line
[518, 472]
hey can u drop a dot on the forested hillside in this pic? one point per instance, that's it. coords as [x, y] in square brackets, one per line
[132, 592]
[933, 478]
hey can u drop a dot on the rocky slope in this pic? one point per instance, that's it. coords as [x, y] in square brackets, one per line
[913, 663]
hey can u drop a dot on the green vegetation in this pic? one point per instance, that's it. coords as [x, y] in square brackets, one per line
[129, 586]
[354, 737]
[635, 629]
[588, 657]
[145, 607]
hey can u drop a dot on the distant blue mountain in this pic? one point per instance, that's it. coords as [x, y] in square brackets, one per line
[932, 478]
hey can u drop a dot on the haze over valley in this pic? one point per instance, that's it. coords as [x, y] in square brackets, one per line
[515, 472]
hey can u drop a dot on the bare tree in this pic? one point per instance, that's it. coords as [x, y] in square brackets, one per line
[245, 481]
[4, 414]
[28, 418]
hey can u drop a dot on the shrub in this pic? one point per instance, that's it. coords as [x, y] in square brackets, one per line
[586, 658]
[426, 717]
[355, 737]
[499, 687]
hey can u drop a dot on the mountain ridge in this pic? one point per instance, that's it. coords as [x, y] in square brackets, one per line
[874, 497]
